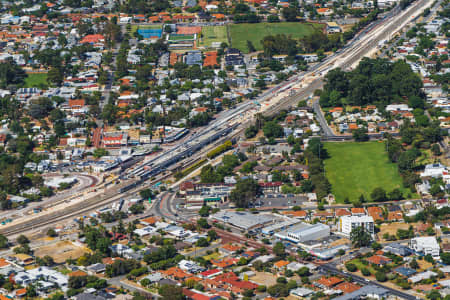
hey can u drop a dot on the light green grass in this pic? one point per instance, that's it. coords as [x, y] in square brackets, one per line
[240, 33]
[212, 34]
[36, 80]
[181, 37]
[214, 255]
[358, 263]
[357, 168]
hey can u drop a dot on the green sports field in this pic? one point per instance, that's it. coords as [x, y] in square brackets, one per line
[36, 80]
[181, 37]
[240, 33]
[211, 34]
[357, 168]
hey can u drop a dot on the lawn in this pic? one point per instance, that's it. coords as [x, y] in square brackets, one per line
[181, 37]
[213, 34]
[36, 80]
[240, 33]
[357, 168]
[214, 255]
[358, 263]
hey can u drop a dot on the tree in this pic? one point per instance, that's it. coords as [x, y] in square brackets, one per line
[3, 242]
[360, 135]
[360, 237]
[51, 232]
[250, 46]
[413, 264]
[376, 246]
[378, 194]
[278, 44]
[279, 249]
[99, 152]
[251, 131]
[146, 194]
[77, 282]
[202, 242]
[365, 272]
[380, 276]
[203, 223]
[316, 147]
[278, 290]
[396, 194]
[31, 291]
[204, 211]
[40, 108]
[429, 258]
[436, 150]
[45, 261]
[351, 267]
[171, 292]
[11, 73]
[212, 234]
[22, 240]
[272, 130]
[434, 294]
[290, 14]
[103, 245]
[137, 208]
[55, 76]
[245, 191]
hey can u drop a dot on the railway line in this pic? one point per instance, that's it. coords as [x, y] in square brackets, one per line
[91, 204]
[230, 125]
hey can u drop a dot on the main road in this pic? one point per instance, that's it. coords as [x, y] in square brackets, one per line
[233, 122]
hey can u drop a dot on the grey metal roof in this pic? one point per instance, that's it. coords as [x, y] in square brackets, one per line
[365, 291]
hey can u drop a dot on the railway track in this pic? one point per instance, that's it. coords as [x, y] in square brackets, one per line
[82, 208]
[91, 204]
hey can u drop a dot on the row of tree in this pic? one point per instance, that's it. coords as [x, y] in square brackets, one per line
[374, 81]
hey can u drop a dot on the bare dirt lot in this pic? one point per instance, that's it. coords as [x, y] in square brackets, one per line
[61, 251]
[263, 278]
[392, 228]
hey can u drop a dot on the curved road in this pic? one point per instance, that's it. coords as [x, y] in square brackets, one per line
[84, 181]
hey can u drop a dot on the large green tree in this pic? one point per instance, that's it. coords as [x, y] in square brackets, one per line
[360, 237]
[245, 192]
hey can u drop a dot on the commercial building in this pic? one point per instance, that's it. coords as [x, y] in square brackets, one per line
[271, 229]
[348, 223]
[398, 249]
[242, 220]
[426, 245]
[304, 232]
[367, 291]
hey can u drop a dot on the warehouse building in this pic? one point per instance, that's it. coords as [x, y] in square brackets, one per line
[304, 232]
[243, 220]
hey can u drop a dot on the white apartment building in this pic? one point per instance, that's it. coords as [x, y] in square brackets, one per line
[347, 223]
[426, 245]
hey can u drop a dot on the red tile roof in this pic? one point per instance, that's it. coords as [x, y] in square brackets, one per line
[93, 38]
[330, 281]
[379, 260]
